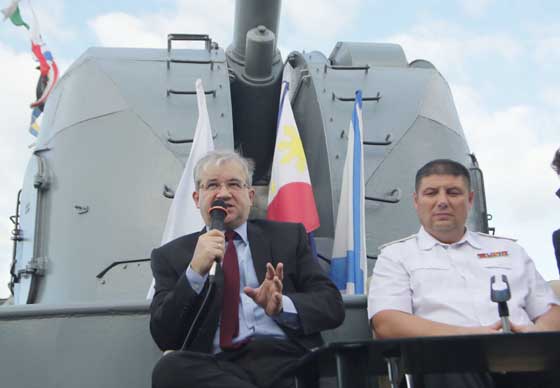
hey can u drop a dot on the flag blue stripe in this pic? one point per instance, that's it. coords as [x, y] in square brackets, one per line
[357, 275]
[340, 268]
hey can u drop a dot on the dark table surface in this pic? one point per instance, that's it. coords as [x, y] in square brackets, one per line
[493, 352]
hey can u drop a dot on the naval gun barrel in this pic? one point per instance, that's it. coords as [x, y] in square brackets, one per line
[255, 68]
[248, 15]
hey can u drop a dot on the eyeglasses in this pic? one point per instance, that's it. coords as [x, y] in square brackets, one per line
[231, 186]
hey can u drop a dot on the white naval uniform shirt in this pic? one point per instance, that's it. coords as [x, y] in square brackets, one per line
[450, 283]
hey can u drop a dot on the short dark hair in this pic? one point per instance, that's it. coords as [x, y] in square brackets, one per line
[443, 167]
[556, 162]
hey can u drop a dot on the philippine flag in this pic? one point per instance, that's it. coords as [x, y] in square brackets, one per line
[348, 264]
[290, 196]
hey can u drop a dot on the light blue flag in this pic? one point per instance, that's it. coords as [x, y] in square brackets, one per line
[348, 263]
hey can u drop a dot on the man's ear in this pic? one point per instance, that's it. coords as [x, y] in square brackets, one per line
[195, 198]
[415, 199]
[252, 195]
[471, 198]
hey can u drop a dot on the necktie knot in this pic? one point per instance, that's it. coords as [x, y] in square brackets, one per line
[230, 235]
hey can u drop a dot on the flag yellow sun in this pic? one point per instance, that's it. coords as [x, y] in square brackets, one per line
[292, 149]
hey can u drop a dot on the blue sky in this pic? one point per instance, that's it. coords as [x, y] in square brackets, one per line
[501, 59]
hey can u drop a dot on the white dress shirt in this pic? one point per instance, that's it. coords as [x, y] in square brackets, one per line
[450, 283]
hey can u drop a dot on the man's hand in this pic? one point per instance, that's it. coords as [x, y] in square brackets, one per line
[210, 246]
[269, 294]
[494, 328]
[522, 328]
[549, 321]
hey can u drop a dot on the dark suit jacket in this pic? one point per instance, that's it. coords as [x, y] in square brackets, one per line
[175, 303]
[556, 243]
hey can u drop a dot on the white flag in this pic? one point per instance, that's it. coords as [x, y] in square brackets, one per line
[184, 217]
[348, 264]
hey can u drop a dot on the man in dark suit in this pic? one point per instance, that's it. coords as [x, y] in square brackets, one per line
[270, 283]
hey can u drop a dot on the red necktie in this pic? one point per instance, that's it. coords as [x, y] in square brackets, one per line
[229, 325]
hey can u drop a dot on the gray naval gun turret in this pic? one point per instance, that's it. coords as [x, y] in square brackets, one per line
[117, 131]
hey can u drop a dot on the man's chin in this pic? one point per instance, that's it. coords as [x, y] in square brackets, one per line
[232, 223]
[443, 226]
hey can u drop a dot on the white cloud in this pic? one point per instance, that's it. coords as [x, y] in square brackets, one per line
[50, 17]
[449, 48]
[547, 50]
[122, 30]
[319, 18]
[515, 158]
[551, 97]
[317, 25]
[150, 30]
[475, 8]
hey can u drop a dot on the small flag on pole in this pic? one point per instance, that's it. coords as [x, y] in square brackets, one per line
[348, 264]
[12, 12]
[48, 76]
[47, 66]
[34, 127]
[184, 217]
[290, 196]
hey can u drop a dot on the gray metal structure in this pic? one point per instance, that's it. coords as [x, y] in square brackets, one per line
[116, 133]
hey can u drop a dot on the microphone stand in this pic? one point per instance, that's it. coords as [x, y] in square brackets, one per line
[211, 282]
[217, 213]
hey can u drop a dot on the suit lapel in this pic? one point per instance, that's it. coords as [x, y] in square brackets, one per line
[260, 249]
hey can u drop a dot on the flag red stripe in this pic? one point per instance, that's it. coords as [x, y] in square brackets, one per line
[295, 202]
[43, 65]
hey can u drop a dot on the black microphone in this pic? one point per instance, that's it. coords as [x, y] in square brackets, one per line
[218, 214]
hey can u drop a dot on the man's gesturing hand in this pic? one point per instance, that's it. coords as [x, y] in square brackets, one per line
[269, 294]
[210, 245]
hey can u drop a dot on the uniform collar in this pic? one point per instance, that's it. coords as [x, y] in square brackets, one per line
[426, 241]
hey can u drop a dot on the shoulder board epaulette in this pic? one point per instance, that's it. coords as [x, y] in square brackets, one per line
[397, 241]
[498, 237]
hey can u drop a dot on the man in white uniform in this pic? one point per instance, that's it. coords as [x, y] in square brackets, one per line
[437, 282]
